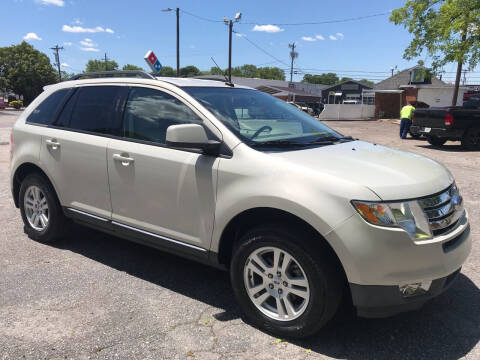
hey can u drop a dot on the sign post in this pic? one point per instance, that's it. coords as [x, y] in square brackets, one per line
[153, 61]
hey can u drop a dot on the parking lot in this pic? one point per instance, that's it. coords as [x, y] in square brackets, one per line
[96, 296]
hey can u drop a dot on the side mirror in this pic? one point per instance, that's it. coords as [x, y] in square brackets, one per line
[191, 136]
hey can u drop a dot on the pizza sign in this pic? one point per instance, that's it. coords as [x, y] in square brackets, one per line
[153, 61]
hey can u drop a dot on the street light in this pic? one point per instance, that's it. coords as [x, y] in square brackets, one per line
[177, 11]
[229, 23]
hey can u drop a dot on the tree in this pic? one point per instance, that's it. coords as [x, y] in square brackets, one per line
[132, 67]
[345, 79]
[25, 70]
[216, 71]
[273, 73]
[167, 71]
[324, 79]
[448, 30]
[99, 65]
[189, 71]
[367, 82]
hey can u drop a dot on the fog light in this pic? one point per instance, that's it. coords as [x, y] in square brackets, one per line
[415, 289]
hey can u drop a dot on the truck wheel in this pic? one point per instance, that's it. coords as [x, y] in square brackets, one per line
[41, 212]
[435, 141]
[471, 139]
[283, 283]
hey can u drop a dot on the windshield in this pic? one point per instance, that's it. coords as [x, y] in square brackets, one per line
[258, 118]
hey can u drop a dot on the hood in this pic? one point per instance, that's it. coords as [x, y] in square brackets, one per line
[391, 174]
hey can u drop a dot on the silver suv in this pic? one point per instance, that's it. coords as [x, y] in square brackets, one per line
[299, 214]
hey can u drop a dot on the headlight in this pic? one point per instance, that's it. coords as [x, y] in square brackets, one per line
[407, 215]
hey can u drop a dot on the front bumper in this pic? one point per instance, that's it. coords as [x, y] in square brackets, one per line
[377, 260]
[452, 134]
[374, 301]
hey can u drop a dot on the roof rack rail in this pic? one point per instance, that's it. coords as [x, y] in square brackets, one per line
[101, 74]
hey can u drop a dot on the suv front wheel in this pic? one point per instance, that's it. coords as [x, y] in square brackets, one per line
[283, 282]
[42, 215]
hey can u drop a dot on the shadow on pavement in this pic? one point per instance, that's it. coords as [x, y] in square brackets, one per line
[449, 148]
[447, 327]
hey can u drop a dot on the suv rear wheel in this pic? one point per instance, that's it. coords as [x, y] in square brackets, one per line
[283, 283]
[435, 141]
[471, 139]
[41, 212]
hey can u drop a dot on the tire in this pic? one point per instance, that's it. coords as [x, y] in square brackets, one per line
[415, 135]
[471, 139]
[435, 141]
[324, 278]
[36, 229]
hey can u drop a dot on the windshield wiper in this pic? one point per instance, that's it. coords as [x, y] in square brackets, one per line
[278, 143]
[332, 139]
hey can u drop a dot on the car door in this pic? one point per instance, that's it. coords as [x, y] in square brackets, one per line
[73, 149]
[165, 194]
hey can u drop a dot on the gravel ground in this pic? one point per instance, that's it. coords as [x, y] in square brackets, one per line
[94, 296]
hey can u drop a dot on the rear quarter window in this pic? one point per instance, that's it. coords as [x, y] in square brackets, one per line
[47, 111]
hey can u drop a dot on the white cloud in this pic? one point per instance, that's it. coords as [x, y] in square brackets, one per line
[267, 28]
[52, 2]
[331, 37]
[88, 43]
[77, 22]
[89, 49]
[67, 43]
[110, 31]
[239, 34]
[308, 38]
[319, 37]
[32, 36]
[64, 65]
[81, 29]
[340, 36]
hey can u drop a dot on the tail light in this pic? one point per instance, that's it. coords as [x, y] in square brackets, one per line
[449, 120]
[11, 143]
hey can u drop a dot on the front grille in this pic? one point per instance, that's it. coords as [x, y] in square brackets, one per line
[443, 210]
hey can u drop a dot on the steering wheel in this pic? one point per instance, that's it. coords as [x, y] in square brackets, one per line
[259, 131]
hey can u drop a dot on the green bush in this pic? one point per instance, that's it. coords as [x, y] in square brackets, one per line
[16, 104]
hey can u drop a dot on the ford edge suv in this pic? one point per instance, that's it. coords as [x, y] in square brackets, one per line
[299, 214]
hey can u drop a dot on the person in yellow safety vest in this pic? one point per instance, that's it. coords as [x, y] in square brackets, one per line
[406, 119]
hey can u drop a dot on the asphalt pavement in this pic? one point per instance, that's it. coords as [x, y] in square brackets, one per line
[94, 296]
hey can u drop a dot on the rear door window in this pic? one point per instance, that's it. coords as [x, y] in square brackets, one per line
[47, 111]
[98, 109]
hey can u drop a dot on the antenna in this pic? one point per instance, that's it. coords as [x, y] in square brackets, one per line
[223, 73]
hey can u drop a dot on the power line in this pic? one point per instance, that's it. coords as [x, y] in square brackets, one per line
[263, 50]
[321, 22]
[201, 17]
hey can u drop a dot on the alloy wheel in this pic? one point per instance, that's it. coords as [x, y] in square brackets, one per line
[36, 208]
[276, 283]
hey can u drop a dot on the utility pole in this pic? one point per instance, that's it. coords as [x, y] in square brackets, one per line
[229, 22]
[177, 12]
[178, 41]
[57, 59]
[464, 77]
[106, 62]
[293, 56]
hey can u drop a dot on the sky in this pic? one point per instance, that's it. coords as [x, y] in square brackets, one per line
[126, 30]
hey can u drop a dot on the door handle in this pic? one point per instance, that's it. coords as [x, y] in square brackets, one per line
[53, 143]
[124, 159]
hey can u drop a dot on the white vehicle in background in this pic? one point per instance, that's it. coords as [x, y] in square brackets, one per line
[299, 214]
